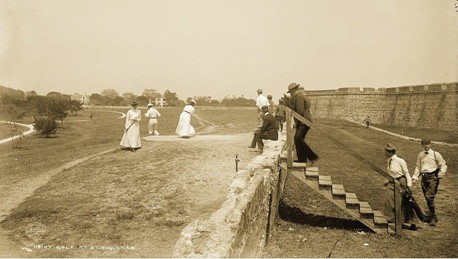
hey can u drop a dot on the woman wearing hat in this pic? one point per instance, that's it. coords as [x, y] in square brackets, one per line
[184, 128]
[131, 137]
[152, 114]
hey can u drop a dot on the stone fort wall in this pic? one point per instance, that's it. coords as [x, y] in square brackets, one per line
[421, 106]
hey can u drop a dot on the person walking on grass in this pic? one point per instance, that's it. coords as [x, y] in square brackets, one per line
[397, 169]
[131, 137]
[432, 167]
[367, 122]
[268, 130]
[152, 114]
[184, 128]
[301, 104]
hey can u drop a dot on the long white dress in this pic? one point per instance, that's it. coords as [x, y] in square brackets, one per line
[184, 128]
[131, 136]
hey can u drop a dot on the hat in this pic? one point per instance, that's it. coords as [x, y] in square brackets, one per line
[265, 107]
[192, 101]
[292, 86]
[425, 141]
[390, 148]
[150, 105]
[134, 103]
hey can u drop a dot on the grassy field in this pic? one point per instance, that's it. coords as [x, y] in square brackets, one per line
[134, 204]
[121, 199]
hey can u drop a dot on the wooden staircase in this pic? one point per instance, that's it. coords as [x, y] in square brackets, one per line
[349, 202]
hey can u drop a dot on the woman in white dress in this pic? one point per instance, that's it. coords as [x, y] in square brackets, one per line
[131, 138]
[184, 128]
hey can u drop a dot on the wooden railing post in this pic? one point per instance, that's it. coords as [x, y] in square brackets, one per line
[397, 208]
[289, 139]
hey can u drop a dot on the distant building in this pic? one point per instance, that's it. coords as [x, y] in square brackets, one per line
[83, 98]
[161, 102]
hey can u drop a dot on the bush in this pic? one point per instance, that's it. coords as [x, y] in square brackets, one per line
[45, 126]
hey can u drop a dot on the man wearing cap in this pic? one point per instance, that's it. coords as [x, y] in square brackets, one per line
[261, 101]
[152, 114]
[301, 104]
[268, 129]
[432, 167]
[131, 137]
[397, 169]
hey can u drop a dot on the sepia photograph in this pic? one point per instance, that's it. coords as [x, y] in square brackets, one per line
[228, 129]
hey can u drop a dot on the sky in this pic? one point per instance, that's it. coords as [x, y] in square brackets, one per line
[225, 47]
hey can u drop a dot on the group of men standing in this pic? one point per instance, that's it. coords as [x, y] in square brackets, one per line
[271, 119]
[431, 166]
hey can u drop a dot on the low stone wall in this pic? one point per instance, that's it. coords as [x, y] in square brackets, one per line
[240, 227]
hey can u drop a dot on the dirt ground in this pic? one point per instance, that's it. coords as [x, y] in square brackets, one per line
[126, 204]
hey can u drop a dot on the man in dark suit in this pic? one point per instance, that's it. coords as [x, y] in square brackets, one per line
[268, 130]
[301, 104]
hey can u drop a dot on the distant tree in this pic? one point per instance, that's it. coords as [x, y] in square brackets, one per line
[45, 126]
[97, 99]
[171, 98]
[151, 94]
[53, 94]
[75, 106]
[110, 93]
[243, 102]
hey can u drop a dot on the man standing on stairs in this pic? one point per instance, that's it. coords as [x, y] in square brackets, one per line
[301, 104]
[397, 168]
[432, 167]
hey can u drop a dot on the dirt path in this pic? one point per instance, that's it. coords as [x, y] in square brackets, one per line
[30, 131]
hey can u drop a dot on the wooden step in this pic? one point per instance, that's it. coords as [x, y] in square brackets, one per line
[299, 165]
[312, 169]
[379, 219]
[324, 181]
[338, 191]
[352, 201]
[311, 174]
[365, 210]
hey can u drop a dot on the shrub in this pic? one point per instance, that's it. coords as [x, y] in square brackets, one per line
[45, 126]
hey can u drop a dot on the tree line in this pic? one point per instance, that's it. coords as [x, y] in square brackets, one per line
[48, 109]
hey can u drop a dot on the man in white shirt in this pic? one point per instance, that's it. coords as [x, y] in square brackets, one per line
[261, 101]
[432, 167]
[397, 168]
[152, 114]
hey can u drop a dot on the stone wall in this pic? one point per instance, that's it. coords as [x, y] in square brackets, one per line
[422, 106]
[240, 227]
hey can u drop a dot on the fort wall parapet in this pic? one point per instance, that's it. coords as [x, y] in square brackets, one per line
[421, 106]
[241, 227]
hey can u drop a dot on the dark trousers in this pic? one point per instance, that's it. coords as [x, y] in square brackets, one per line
[407, 212]
[429, 185]
[303, 151]
[257, 139]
